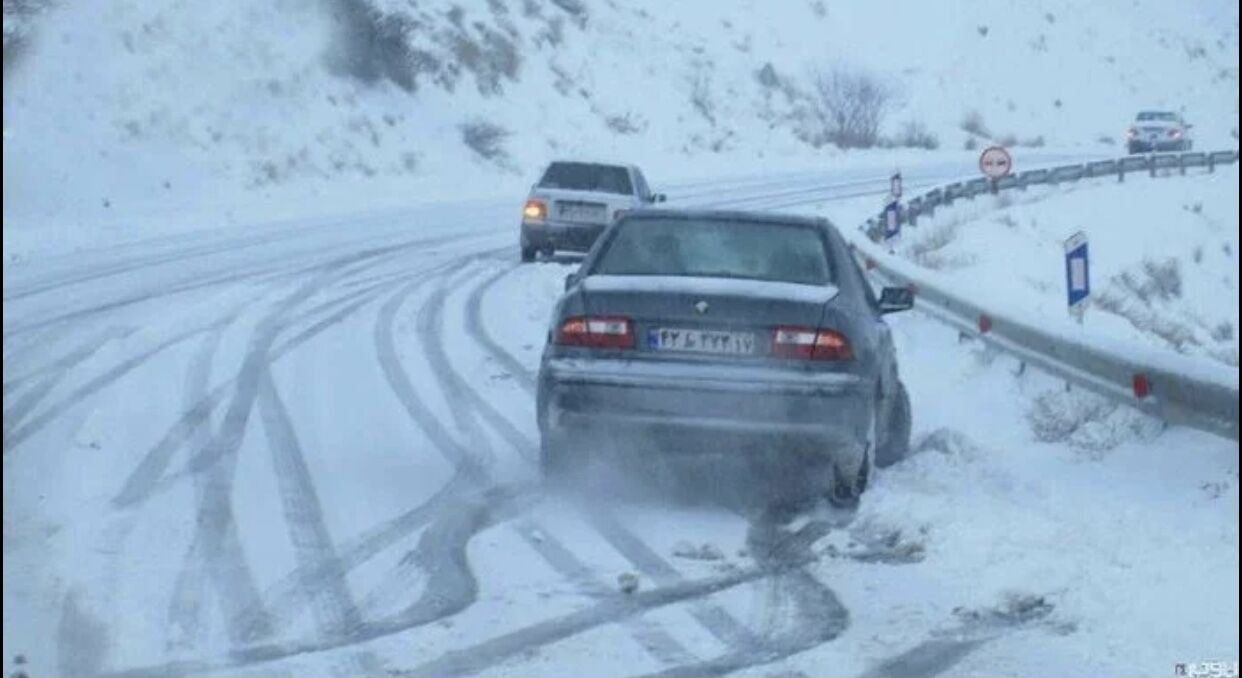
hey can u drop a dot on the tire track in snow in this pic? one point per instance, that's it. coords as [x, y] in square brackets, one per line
[14, 377]
[145, 481]
[489, 653]
[215, 550]
[821, 617]
[20, 434]
[331, 602]
[185, 609]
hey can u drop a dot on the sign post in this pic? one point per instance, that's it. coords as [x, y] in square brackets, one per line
[1077, 275]
[894, 185]
[995, 163]
[892, 222]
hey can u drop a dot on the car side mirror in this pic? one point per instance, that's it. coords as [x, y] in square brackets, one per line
[571, 280]
[894, 299]
[658, 197]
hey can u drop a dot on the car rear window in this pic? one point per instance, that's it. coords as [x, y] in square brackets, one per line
[717, 248]
[580, 176]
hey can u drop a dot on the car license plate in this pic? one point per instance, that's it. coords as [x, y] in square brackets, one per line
[582, 213]
[700, 341]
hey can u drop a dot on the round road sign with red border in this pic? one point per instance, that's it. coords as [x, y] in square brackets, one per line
[995, 162]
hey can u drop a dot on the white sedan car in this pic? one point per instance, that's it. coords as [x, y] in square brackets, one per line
[1158, 131]
[572, 203]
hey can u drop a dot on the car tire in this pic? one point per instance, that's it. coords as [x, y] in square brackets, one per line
[553, 457]
[1132, 148]
[896, 443]
[528, 254]
[847, 489]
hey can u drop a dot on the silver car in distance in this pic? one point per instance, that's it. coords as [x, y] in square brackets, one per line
[710, 337]
[573, 202]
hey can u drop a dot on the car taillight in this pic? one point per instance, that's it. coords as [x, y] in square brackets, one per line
[596, 332]
[618, 214]
[1131, 133]
[1175, 133]
[807, 344]
[535, 210]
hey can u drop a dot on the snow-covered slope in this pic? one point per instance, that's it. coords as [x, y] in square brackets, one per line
[151, 115]
[1164, 256]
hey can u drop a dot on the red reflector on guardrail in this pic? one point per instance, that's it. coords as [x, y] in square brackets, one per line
[869, 263]
[1142, 387]
[985, 323]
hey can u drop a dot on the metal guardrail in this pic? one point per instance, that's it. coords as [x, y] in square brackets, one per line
[1175, 388]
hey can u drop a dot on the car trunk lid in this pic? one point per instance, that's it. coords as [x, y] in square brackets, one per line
[701, 318]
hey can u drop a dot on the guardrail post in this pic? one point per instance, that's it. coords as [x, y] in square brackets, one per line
[1211, 163]
[1181, 164]
[1121, 172]
[1151, 165]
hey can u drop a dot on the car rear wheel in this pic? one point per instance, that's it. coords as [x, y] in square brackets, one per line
[553, 458]
[897, 434]
[847, 488]
[528, 254]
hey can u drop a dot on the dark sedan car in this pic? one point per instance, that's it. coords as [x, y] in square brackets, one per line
[722, 336]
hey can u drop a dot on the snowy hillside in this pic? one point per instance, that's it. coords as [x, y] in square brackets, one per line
[145, 116]
[1164, 256]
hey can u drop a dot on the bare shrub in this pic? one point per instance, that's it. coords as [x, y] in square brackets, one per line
[971, 144]
[576, 10]
[1008, 140]
[371, 45]
[485, 139]
[20, 17]
[553, 32]
[847, 107]
[1106, 140]
[491, 57]
[624, 124]
[701, 92]
[972, 123]
[914, 134]
[1086, 422]
[767, 76]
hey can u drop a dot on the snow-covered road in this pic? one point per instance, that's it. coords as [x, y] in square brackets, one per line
[309, 449]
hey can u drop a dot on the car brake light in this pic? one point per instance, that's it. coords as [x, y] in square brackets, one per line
[1131, 133]
[596, 332]
[535, 210]
[1175, 133]
[807, 344]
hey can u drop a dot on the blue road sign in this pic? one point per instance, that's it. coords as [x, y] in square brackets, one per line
[1077, 270]
[892, 225]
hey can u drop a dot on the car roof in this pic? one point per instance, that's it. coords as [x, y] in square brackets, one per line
[728, 215]
[575, 161]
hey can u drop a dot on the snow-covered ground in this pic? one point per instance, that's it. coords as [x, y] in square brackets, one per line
[268, 354]
[1164, 256]
[312, 454]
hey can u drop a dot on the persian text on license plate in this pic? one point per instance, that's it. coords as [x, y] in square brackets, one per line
[700, 341]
